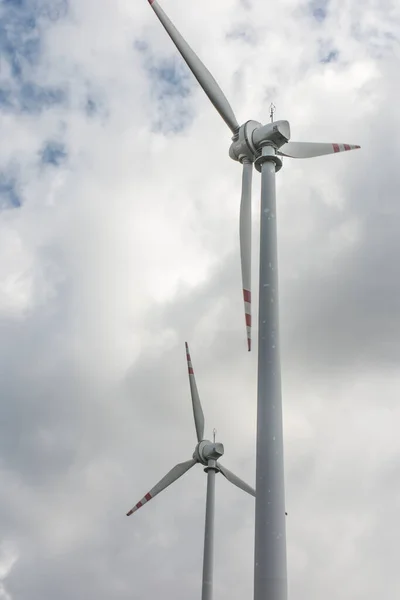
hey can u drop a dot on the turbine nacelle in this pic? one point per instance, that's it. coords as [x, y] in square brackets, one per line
[277, 134]
[207, 450]
[252, 136]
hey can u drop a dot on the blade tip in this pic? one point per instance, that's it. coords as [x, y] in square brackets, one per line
[128, 514]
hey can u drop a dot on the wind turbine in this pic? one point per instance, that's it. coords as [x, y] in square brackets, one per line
[261, 145]
[207, 454]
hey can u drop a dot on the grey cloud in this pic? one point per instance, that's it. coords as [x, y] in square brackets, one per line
[342, 311]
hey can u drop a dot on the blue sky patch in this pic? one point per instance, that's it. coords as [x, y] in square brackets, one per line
[95, 102]
[327, 51]
[19, 36]
[9, 197]
[35, 98]
[51, 10]
[319, 9]
[30, 97]
[169, 79]
[141, 46]
[54, 153]
[170, 88]
[5, 98]
[330, 57]
[244, 33]
[21, 27]
[91, 107]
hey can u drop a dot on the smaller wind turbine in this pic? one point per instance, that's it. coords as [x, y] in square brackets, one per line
[207, 454]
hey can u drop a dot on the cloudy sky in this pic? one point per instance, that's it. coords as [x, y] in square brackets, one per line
[119, 241]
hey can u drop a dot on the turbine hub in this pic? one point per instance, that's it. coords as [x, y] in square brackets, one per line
[242, 146]
[207, 450]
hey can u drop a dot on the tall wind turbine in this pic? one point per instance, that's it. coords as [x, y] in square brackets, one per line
[207, 454]
[261, 145]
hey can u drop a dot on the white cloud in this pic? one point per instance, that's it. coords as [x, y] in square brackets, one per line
[8, 558]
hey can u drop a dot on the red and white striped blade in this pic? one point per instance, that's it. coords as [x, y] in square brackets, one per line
[169, 478]
[312, 149]
[202, 74]
[197, 409]
[245, 243]
[236, 480]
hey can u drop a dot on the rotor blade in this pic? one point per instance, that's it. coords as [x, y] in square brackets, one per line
[169, 478]
[236, 480]
[245, 243]
[312, 149]
[197, 410]
[202, 74]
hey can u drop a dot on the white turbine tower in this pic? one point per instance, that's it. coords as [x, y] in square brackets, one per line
[207, 454]
[262, 145]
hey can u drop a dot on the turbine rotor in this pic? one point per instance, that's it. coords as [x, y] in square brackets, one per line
[207, 450]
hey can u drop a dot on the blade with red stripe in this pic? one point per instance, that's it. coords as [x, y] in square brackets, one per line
[312, 149]
[169, 478]
[245, 243]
